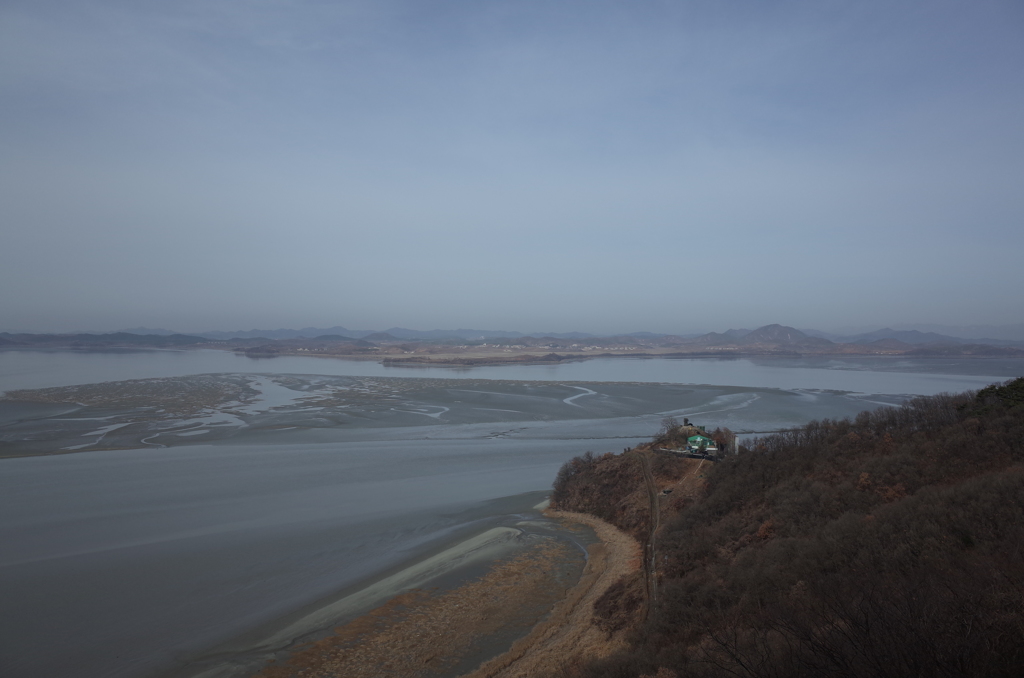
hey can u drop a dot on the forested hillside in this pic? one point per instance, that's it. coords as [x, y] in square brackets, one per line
[891, 545]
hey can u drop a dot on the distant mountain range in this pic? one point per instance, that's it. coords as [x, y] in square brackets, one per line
[86, 340]
[394, 332]
[403, 333]
[781, 336]
[912, 337]
[1013, 332]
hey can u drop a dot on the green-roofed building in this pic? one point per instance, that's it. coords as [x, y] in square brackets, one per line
[697, 442]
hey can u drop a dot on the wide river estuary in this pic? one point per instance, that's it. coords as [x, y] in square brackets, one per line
[222, 508]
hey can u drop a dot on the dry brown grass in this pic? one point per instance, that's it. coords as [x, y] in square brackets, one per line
[570, 630]
[424, 635]
[418, 634]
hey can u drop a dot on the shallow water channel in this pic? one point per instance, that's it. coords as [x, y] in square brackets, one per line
[175, 555]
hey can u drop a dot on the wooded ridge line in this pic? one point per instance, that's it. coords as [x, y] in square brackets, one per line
[891, 544]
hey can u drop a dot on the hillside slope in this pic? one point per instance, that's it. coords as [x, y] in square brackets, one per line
[891, 545]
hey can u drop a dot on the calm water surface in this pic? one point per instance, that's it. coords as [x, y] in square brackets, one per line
[40, 369]
[127, 563]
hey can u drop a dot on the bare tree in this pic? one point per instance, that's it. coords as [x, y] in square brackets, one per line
[669, 424]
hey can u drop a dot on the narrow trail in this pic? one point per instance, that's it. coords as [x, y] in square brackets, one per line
[650, 562]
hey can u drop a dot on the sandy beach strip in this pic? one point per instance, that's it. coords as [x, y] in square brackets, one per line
[522, 617]
[569, 630]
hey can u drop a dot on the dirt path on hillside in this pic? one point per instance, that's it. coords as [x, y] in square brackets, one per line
[650, 560]
[569, 630]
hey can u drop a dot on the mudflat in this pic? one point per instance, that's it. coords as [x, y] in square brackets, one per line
[526, 613]
[147, 531]
[285, 408]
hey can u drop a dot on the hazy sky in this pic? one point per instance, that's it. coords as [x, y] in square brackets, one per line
[593, 166]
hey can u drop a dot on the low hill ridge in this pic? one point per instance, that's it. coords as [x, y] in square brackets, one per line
[109, 339]
[887, 545]
[780, 334]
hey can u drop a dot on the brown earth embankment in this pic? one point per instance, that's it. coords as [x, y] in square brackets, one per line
[570, 632]
[429, 634]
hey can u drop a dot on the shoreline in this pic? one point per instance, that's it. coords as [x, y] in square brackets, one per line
[510, 536]
[561, 358]
[520, 616]
[568, 632]
[550, 358]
